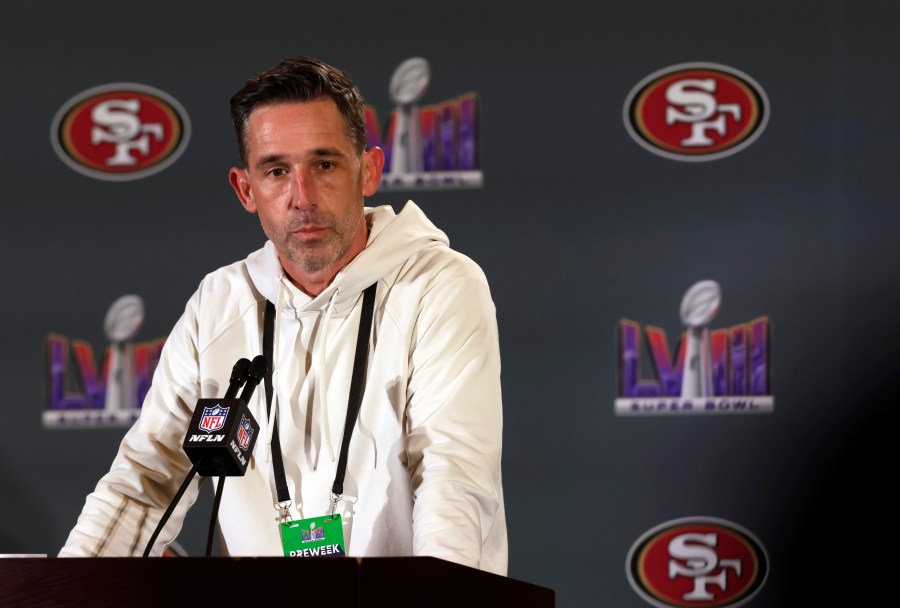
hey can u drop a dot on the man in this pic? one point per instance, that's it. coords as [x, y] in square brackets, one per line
[423, 471]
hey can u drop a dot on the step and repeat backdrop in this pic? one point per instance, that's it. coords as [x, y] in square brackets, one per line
[687, 213]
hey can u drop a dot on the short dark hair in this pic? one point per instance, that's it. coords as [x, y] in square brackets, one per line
[300, 79]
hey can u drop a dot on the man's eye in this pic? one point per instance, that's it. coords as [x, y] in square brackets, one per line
[325, 165]
[276, 172]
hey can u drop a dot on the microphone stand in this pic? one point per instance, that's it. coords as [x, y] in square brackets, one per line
[243, 371]
[255, 373]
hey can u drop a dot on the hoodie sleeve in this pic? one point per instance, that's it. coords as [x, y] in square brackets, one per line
[455, 422]
[122, 512]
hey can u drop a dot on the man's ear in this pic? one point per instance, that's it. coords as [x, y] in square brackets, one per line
[373, 163]
[240, 181]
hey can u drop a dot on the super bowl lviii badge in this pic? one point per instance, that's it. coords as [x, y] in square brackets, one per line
[313, 537]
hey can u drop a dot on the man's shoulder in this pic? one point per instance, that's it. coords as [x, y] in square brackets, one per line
[225, 294]
[440, 263]
[437, 278]
[229, 277]
[259, 266]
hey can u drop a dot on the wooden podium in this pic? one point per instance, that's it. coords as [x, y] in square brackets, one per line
[259, 581]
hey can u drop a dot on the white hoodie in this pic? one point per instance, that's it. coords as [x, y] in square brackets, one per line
[423, 474]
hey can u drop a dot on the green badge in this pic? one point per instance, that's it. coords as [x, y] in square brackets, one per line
[314, 537]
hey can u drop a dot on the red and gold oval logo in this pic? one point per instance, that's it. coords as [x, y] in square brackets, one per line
[696, 111]
[120, 132]
[700, 562]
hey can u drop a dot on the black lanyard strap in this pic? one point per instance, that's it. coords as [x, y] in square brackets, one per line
[284, 496]
[354, 401]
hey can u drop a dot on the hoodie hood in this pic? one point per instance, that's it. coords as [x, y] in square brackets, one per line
[393, 239]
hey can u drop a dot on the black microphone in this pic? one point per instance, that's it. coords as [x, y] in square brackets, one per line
[251, 373]
[256, 372]
[221, 435]
[238, 377]
[222, 432]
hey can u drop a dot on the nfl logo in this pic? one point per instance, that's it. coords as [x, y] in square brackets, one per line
[213, 418]
[245, 432]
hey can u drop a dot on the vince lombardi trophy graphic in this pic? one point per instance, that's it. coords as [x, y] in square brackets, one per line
[698, 307]
[123, 320]
[408, 84]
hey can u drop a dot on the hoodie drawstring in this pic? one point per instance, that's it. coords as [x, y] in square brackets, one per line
[322, 393]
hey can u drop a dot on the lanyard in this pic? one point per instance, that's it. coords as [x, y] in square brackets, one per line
[354, 400]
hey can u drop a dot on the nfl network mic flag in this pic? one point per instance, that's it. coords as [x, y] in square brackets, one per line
[222, 433]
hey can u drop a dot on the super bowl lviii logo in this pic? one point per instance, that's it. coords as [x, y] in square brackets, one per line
[79, 395]
[697, 561]
[696, 111]
[721, 371]
[120, 132]
[426, 146]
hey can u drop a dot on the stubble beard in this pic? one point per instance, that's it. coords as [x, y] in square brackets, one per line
[314, 256]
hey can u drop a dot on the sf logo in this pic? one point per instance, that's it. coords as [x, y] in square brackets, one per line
[692, 101]
[694, 555]
[117, 122]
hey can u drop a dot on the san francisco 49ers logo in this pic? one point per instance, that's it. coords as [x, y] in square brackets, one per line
[697, 561]
[120, 132]
[696, 111]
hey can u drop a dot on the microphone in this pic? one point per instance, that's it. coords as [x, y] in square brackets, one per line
[222, 432]
[255, 373]
[221, 435]
[238, 377]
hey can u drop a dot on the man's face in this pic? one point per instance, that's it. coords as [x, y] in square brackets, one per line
[306, 182]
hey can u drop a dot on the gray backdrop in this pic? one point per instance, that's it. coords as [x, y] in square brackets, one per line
[576, 227]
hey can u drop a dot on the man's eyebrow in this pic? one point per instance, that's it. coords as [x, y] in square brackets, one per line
[271, 159]
[328, 152]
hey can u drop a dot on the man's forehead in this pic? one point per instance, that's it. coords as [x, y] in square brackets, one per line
[297, 122]
[321, 112]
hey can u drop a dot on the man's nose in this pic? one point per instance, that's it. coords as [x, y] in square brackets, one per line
[302, 189]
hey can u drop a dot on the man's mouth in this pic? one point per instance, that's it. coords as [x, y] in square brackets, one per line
[309, 232]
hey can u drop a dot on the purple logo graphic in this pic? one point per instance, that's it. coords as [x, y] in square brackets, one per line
[435, 145]
[719, 371]
[308, 536]
[106, 388]
[213, 418]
